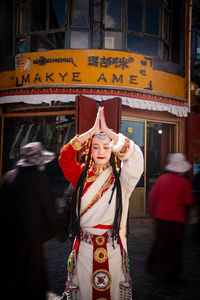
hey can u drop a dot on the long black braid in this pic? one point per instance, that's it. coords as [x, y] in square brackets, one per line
[118, 209]
[74, 229]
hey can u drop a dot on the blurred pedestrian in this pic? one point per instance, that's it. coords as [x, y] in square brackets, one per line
[196, 189]
[64, 220]
[170, 199]
[27, 220]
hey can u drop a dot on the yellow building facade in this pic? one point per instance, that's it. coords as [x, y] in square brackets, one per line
[42, 96]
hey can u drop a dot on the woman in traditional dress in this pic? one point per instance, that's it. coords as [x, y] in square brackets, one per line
[98, 266]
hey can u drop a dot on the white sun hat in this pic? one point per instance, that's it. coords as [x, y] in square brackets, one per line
[177, 163]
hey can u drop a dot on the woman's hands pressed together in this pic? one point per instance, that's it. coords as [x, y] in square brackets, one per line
[99, 125]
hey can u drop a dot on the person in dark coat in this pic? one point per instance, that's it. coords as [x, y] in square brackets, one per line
[65, 218]
[27, 220]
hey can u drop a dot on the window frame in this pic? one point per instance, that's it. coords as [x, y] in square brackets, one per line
[110, 29]
[143, 34]
[66, 29]
[165, 9]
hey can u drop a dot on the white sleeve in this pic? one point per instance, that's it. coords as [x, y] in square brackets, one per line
[132, 162]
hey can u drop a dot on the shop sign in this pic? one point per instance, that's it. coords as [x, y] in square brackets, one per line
[84, 67]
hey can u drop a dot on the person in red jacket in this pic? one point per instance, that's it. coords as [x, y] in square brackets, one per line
[169, 201]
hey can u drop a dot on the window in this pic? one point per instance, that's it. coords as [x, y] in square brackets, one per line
[79, 24]
[197, 48]
[47, 15]
[113, 24]
[57, 14]
[152, 13]
[142, 33]
[79, 40]
[195, 68]
[79, 14]
[135, 10]
[160, 142]
[38, 15]
[46, 42]
[142, 45]
[143, 26]
[135, 131]
[113, 14]
[20, 27]
[51, 24]
[113, 40]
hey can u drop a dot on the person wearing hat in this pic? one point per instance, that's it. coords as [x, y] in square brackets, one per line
[27, 220]
[170, 199]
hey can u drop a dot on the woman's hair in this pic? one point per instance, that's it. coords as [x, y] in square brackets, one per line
[75, 215]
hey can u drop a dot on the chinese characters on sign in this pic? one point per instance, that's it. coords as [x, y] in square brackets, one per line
[123, 63]
[115, 70]
[105, 62]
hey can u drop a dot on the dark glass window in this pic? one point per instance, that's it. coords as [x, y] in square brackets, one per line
[149, 24]
[143, 26]
[166, 51]
[47, 42]
[79, 14]
[79, 40]
[113, 40]
[135, 131]
[57, 14]
[113, 14]
[20, 19]
[38, 15]
[135, 12]
[142, 45]
[198, 47]
[152, 20]
[166, 26]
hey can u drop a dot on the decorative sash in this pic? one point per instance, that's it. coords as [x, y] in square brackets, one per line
[101, 278]
[96, 190]
[106, 185]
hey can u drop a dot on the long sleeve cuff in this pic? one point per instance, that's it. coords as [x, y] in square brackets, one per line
[124, 147]
[76, 145]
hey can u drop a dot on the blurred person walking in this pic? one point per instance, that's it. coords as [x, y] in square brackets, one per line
[67, 209]
[170, 199]
[27, 220]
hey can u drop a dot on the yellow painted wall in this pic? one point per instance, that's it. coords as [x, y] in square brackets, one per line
[91, 68]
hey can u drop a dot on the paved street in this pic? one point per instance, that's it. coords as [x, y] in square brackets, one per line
[139, 245]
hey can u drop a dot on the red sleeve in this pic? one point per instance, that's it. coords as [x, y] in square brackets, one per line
[153, 197]
[69, 165]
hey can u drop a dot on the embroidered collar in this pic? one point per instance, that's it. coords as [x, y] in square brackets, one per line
[94, 170]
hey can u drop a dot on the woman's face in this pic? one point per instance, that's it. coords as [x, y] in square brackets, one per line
[101, 150]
